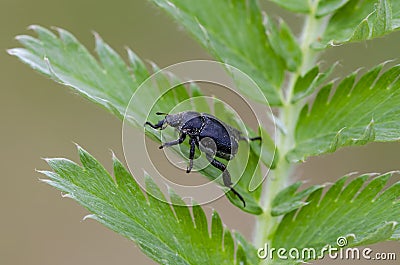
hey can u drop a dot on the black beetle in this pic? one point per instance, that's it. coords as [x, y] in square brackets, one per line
[210, 135]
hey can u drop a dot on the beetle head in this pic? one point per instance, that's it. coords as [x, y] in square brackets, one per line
[179, 119]
[174, 120]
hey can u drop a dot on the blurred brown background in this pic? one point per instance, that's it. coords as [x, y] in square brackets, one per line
[40, 118]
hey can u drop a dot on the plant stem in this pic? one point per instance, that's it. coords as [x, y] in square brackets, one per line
[266, 224]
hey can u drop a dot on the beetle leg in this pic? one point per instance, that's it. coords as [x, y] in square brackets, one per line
[180, 140]
[258, 138]
[192, 143]
[226, 177]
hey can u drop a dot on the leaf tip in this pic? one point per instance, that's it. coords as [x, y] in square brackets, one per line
[89, 216]
[43, 172]
[19, 37]
[40, 171]
[67, 195]
[393, 172]
[114, 157]
[154, 66]
[58, 29]
[82, 152]
[33, 27]
[171, 192]
[336, 141]
[47, 181]
[47, 159]
[13, 51]
[97, 36]
[388, 62]
[78, 147]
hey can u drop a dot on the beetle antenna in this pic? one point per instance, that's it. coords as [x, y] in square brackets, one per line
[162, 113]
[258, 138]
[159, 125]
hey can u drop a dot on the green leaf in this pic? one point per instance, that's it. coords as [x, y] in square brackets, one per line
[361, 20]
[363, 213]
[167, 236]
[396, 14]
[357, 113]
[246, 253]
[288, 200]
[299, 6]
[108, 82]
[66, 61]
[111, 83]
[234, 33]
[308, 83]
[284, 43]
[326, 7]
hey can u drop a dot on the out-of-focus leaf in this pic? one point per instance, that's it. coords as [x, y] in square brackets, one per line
[169, 236]
[360, 20]
[284, 43]
[326, 7]
[357, 214]
[307, 84]
[232, 30]
[288, 199]
[358, 113]
[299, 6]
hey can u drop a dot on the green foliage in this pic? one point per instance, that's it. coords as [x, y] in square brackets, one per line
[167, 236]
[313, 117]
[232, 30]
[308, 83]
[288, 200]
[284, 43]
[361, 20]
[66, 61]
[329, 6]
[110, 83]
[357, 113]
[300, 6]
[361, 212]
